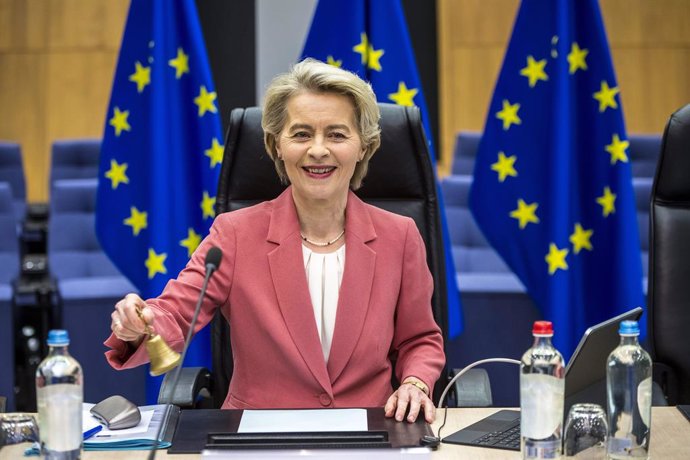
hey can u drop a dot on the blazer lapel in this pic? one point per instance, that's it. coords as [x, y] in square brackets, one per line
[355, 290]
[291, 286]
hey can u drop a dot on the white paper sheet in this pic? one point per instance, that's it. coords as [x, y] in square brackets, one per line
[314, 420]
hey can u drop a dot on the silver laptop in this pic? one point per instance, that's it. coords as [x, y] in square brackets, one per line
[585, 381]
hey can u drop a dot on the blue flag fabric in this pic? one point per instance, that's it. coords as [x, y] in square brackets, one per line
[552, 187]
[162, 152]
[370, 38]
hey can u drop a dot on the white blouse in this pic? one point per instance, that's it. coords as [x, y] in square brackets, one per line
[324, 276]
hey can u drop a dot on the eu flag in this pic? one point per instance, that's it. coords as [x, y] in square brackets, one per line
[161, 154]
[552, 187]
[369, 38]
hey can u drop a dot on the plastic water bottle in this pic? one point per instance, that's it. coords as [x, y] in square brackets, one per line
[59, 393]
[629, 395]
[542, 389]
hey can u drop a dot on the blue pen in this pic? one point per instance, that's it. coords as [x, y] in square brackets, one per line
[92, 431]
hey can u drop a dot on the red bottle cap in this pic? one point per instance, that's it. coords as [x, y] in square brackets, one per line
[542, 328]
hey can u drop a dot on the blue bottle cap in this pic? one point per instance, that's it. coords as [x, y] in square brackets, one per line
[629, 328]
[57, 337]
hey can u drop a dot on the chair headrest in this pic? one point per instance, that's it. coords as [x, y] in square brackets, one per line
[394, 170]
[671, 182]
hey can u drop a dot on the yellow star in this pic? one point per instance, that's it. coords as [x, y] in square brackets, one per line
[331, 61]
[141, 76]
[137, 220]
[117, 174]
[207, 204]
[577, 58]
[534, 71]
[508, 114]
[617, 149]
[119, 121]
[215, 153]
[180, 63]
[404, 96]
[205, 101]
[191, 242]
[580, 239]
[525, 213]
[606, 96]
[373, 58]
[607, 202]
[556, 258]
[156, 263]
[362, 47]
[505, 166]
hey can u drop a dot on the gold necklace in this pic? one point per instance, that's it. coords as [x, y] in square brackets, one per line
[322, 245]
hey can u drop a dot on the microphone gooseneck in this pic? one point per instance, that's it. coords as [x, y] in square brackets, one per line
[212, 262]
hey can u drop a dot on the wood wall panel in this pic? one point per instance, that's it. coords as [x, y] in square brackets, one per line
[650, 45]
[57, 59]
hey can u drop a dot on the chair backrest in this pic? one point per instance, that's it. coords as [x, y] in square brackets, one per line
[471, 252]
[9, 243]
[642, 187]
[73, 249]
[400, 179]
[12, 172]
[669, 256]
[644, 153]
[74, 159]
[465, 151]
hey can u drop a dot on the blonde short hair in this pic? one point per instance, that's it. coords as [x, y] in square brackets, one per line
[315, 76]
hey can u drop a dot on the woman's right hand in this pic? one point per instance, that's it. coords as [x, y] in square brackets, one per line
[126, 323]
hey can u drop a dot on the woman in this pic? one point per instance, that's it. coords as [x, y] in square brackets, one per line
[320, 289]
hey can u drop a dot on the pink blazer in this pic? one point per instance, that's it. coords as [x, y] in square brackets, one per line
[384, 309]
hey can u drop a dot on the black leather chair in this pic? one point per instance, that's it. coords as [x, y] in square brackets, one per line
[669, 262]
[400, 179]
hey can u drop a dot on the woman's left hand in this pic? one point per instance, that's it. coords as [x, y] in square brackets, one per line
[409, 396]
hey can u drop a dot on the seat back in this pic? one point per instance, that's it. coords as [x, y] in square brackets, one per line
[74, 159]
[73, 249]
[12, 172]
[465, 151]
[400, 179]
[644, 154]
[669, 256]
[9, 269]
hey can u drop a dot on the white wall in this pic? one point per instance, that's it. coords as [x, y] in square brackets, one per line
[281, 28]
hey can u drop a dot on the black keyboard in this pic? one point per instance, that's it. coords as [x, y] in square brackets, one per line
[509, 438]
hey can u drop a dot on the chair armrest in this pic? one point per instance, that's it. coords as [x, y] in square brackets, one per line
[473, 389]
[665, 378]
[194, 383]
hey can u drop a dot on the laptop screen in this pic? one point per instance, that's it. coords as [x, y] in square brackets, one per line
[585, 374]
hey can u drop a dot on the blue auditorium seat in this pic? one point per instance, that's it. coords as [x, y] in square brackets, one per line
[9, 269]
[12, 172]
[89, 285]
[74, 159]
[642, 187]
[465, 151]
[643, 153]
[498, 313]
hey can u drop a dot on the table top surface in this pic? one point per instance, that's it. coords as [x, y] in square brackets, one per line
[670, 440]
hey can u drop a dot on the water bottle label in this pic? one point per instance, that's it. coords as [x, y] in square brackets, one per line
[644, 400]
[618, 445]
[542, 449]
[60, 412]
[541, 405]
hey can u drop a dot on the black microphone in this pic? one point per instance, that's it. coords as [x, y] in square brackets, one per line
[212, 262]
